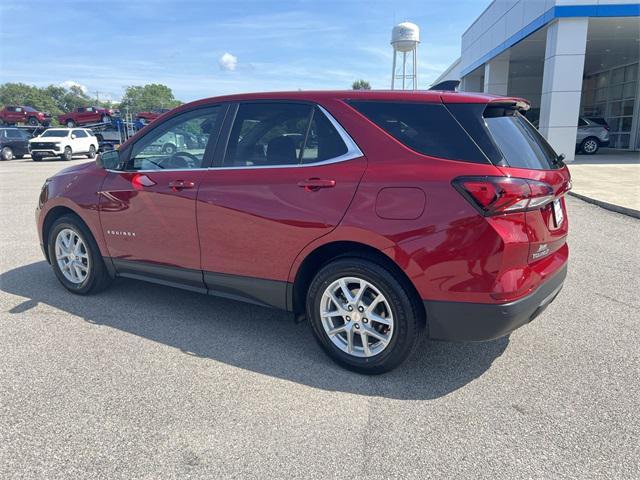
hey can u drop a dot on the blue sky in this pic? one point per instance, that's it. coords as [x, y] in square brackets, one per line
[281, 45]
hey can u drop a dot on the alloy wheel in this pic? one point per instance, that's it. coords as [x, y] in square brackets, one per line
[356, 317]
[72, 256]
[590, 146]
[7, 153]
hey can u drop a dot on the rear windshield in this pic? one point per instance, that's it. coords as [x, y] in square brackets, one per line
[520, 143]
[427, 128]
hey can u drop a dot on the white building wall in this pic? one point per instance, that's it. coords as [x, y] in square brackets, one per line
[503, 18]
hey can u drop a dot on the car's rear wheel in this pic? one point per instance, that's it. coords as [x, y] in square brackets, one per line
[70, 123]
[67, 155]
[75, 256]
[590, 146]
[6, 153]
[106, 119]
[169, 149]
[92, 152]
[362, 315]
[33, 121]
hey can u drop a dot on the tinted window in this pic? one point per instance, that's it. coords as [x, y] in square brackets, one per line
[179, 143]
[582, 123]
[79, 134]
[323, 140]
[520, 143]
[55, 133]
[267, 134]
[427, 128]
[14, 134]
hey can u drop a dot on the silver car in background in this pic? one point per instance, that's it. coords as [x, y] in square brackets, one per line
[591, 136]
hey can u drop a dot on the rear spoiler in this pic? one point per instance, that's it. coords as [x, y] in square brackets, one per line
[446, 86]
[510, 102]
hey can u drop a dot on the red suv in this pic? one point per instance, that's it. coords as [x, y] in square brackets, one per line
[374, 215]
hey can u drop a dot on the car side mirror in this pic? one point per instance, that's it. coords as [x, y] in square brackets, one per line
[109, 160]
[73, 136]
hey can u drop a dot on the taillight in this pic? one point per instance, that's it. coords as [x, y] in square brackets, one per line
[496, 195]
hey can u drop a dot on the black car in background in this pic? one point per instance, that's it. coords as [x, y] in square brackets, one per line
[14, 143]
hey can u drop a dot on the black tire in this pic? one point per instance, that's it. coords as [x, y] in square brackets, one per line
[106, 119]
[92, 152]
[169, 149]
[408, 323]
[6, 153]
[33, 121]
[70, 123]
[67, 155]
[590, 146]
[36, 158]
[97, 278]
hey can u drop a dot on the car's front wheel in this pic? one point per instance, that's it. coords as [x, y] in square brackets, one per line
[590, 146]
[6, 153]
[362, 315]
[75, 257]
[67, 154]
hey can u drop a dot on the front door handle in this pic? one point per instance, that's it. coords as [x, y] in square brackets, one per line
[181, 184]
[315, 184]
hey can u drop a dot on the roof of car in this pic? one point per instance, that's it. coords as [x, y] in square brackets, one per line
[435, 96]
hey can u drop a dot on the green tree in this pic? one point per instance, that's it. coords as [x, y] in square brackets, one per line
[139, 98]
[361, 85]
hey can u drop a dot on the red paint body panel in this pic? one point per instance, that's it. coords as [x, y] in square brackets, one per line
[254, 222]
[84, 117]
[162, 219]
[258, 222]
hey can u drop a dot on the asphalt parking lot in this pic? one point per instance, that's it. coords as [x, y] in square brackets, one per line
[144, 381]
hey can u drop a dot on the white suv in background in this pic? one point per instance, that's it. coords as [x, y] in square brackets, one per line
[63, 143]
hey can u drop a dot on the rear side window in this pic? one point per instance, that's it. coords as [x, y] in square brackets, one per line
[270, 134]
[522, 146]
[427, 128]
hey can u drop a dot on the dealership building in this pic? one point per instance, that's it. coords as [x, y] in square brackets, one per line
[570, 59]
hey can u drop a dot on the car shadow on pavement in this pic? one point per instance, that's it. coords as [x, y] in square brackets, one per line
[262, 340]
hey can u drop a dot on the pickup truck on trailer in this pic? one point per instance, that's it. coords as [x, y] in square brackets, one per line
[86, 115]
[12, 114]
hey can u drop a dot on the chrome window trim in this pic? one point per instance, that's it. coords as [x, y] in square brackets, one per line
[353, 151]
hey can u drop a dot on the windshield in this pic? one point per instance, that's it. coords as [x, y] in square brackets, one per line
[30, 109]
[520, 143]
[55, 133]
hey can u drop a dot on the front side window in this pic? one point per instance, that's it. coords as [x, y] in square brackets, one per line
[179, 143]
[272, 134]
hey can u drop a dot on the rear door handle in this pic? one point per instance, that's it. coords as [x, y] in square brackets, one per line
[181, 184]
[314, 184]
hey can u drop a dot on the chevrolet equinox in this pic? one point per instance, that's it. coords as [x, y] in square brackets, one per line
[377, 216]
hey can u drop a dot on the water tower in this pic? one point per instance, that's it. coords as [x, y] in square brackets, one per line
[405, 38]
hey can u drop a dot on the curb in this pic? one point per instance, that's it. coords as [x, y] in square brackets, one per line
[609, 206]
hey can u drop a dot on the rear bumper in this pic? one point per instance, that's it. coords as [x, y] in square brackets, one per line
[461, 321]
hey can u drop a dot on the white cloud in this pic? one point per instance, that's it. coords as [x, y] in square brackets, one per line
[228, 62]
[71, 83]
